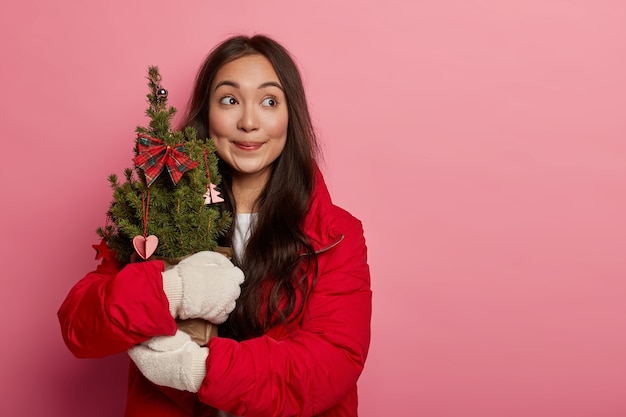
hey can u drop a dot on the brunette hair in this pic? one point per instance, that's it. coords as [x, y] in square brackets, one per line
[275, 288]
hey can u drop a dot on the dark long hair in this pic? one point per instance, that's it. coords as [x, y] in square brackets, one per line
[275, 288]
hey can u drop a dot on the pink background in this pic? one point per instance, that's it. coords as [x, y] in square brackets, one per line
[482, 143]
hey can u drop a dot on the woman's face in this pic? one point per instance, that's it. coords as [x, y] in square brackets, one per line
[248, 117]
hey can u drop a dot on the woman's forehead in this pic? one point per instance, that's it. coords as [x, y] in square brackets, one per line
[251, 71]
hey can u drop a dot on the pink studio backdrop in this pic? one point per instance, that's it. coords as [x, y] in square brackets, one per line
[482, 143]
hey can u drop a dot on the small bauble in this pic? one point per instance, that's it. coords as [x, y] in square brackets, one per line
[161, 93]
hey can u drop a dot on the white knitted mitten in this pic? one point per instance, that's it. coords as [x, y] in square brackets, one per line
[172, 361]
[205, 285]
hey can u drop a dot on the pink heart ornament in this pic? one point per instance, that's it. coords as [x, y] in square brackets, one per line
[145, 246]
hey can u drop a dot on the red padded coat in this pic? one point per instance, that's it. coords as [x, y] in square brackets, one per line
[309, 371]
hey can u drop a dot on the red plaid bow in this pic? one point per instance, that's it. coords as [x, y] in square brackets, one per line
[153, 155]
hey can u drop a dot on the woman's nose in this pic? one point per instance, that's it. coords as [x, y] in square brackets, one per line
[249, 120]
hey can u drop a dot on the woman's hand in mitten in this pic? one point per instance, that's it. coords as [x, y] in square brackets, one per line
[205, 285]
[172, 361]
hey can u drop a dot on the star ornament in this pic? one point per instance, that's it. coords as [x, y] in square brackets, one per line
[103, 251]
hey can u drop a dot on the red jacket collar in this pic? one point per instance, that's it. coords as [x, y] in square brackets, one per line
[319, 224]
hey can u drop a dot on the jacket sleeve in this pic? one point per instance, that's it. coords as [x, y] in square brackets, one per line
[316, 366]
[110, 310]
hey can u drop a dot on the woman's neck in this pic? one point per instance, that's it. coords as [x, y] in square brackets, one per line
[247, 188]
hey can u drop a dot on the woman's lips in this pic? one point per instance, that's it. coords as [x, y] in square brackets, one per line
[248, 146]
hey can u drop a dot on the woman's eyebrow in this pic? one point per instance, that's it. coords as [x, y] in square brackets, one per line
[271, 84]
[226, 82]
[236, 85]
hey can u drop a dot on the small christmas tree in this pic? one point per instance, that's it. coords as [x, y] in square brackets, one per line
[165, 206]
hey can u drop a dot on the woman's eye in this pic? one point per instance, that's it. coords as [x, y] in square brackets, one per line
[228, 100]
[270, 102]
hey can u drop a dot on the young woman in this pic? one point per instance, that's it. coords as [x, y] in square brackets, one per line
[296, 341]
